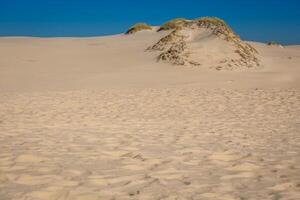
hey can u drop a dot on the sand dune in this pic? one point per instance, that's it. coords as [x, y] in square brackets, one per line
[206, 42]
[99, 118]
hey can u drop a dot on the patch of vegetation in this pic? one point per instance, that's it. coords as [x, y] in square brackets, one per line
[212, 20]
[218, 26]
[174, 54]
[165, 42]
[175, 47]
[173, 24]
[138, 27]
[273, 43]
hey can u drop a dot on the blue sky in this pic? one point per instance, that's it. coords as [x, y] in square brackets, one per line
[258, 20]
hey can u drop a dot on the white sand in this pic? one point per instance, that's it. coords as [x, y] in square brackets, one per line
[98, 118]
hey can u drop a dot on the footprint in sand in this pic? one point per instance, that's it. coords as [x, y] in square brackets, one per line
[98, 181]
[283, 187]
[135, 167]
[67, 183]
[28, 158]
[86, 197]
[223, 158]
[17, 167]
[209, 195]
[243, 167]
[3, 179]
[239, 175]
[115, 154]
[35, 180]
[168, 174]
[4, 162]
[48, 194]
[72, 173]
[42, 195]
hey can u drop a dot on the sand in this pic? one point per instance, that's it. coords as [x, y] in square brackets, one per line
[98, 118]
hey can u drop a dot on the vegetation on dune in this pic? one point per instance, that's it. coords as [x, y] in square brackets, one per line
[138, 27]
[174, 54]
[166, 41]
[175, 47]
[212, 20]
[273, 43]
[218, 26]
[173, 24]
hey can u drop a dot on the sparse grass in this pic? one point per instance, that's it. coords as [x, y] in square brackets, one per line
[212, 20]
[138, 27]
[173, 24]
[215, 21]
[219, 27]
[273, 43]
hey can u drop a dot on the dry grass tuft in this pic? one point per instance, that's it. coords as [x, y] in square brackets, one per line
[138, 27]
[173, 24]
[273, 43]
[218, 26]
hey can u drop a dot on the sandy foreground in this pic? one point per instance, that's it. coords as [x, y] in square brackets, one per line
[98, 118]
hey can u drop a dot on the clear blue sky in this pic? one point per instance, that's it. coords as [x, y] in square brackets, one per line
[259, 20]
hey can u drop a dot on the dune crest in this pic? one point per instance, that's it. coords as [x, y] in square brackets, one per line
[206, 41]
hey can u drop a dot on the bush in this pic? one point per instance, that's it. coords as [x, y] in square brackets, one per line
[138, 27]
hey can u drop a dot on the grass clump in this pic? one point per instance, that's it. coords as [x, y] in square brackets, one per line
[138, 27]
[173, 24]
[218, 26]
[212, 20]
[273, 43]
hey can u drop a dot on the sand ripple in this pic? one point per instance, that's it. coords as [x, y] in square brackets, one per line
[150, 144]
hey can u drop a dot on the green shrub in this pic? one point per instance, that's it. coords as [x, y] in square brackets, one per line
[138, 27]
